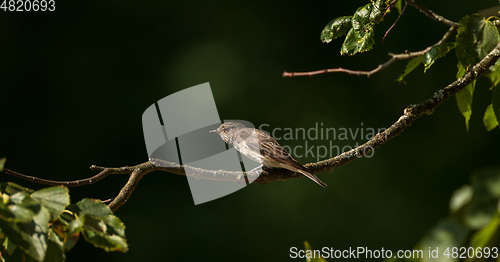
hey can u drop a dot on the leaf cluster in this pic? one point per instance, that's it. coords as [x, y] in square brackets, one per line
[42, 225]
[475, 38]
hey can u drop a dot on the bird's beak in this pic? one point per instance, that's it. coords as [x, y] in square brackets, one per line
[212, 131]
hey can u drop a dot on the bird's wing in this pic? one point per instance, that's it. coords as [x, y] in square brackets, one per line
[270, 148]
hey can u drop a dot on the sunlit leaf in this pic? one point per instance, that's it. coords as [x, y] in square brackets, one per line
[55, 199]
[435, 53]
[476, 37]
[490, 120]
[495, 101]
[412, 64]
[360, 36]
[94, 208]
[461, 197]
[310, 256]
[2, 163]
[464, 97]
[55, 249]
[483, 236]
[447, 233]
[336, 28]
[399, 5]
[32, 236]
[479, 212]
[377, 11]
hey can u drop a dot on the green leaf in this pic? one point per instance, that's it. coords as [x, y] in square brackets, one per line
[32, 236]
[100, 226]
[412, 64]
[495, 101]
[490, 120]
[55, 249]
[483, 236]
[55, 199]
[435, 53]
[2, 163]
[106, 242]
[360, 37]
[93, 207]
[12, 188]
[336, 28]
[20, 209]
[310, 256]
[479, 212]
[428, 59]
[9, 246]
[447, 233]
[73, 233]
[461, 197]
[464, 97]
[399, 5]
[377, 11]
[476, 37]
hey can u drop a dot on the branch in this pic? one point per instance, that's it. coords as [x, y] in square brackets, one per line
[394, 57]
[432, 15]
[411, 113]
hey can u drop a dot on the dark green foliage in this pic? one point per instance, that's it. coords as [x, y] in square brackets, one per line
[41, 225]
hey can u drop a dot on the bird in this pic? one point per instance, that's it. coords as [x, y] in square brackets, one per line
[262, 148]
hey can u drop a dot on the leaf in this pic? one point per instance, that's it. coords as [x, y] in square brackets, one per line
[490, 120]
[100, 226]
[12, 188]
[32, 236]
[460, 198]
[483, 236]
[55, 199]
[20, 209]
[8, 246]
[495, 101]
[106, 242]
[464, 97]
[476, 37]
[93, 207]
[435, 53]
[398, 5]
[377, 11]
[310, 257]
[447, 233]
[428, 59]
[412, 64]
[360, 37]
[494, 75]
[2, 163]
[336, 28]
[55, 249]
[479, 212]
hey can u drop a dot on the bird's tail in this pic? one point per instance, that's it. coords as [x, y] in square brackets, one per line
[312, 177]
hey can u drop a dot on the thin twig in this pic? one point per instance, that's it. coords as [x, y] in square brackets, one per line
[432, 15]
[74, 183]
[395, 22]
[411, 113]
[394, 57]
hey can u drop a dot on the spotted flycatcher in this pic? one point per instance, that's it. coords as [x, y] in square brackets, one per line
[261, 147]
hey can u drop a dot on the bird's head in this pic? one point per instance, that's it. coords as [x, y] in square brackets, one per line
[227, 130]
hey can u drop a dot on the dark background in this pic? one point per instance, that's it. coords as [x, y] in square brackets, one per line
[75, 82]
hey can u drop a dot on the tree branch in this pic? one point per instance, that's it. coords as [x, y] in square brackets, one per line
[411, 113]
[394, 57]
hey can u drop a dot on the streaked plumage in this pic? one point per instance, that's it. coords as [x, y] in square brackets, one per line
[261, 147]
